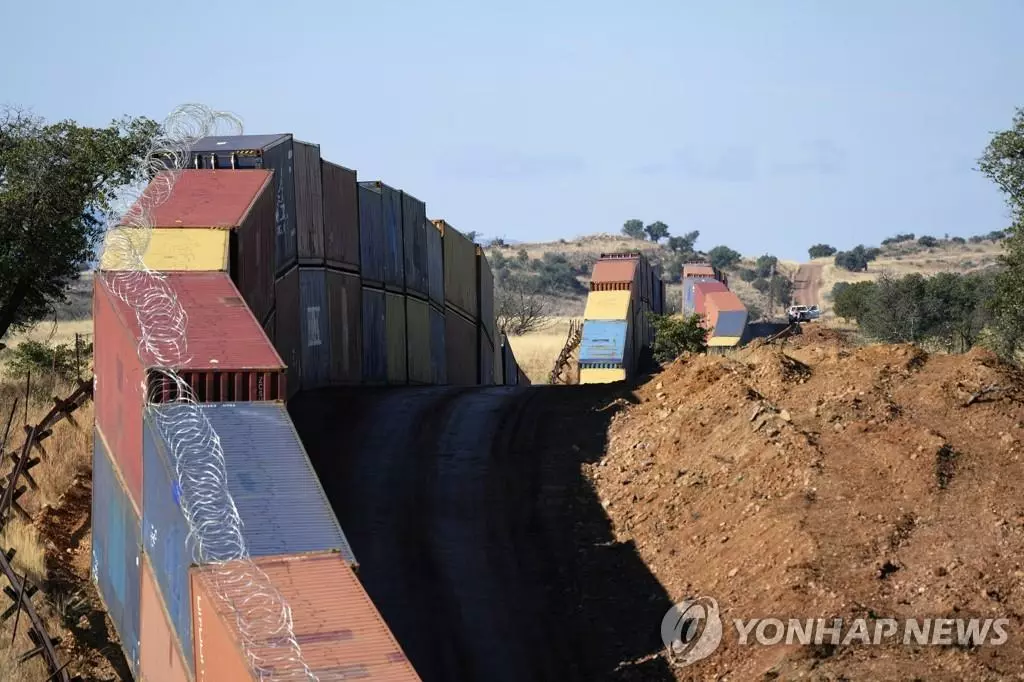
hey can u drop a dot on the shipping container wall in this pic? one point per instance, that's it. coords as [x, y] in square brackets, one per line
[604, 341]
[485, 292]
[372, 244]
[375, 339]
[462, 350]
[418, 341]
[496, 363]
[486, 376]
[341, 217]
[269, 329]
[161, 655]
[167, 249]
[438, 359]
[119, 384]
[607, 305]
[288, 328]
[346, 331]
[460, 281]
[395, 330]
[309, 203]
[253, 248]
[315, 319]
[731, 323]
[414, 234]
[435, 264]
[394, 247]
[116, 537]
[165, 533]
[279, 160]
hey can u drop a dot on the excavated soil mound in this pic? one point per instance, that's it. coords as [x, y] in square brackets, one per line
[830, 482]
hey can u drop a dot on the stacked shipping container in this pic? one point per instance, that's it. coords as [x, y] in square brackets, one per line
[293, 275]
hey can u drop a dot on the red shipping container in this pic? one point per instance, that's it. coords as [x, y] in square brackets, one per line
[228, 358]
[160, 653]
[615, 274]
[243, 203]
[701, 290]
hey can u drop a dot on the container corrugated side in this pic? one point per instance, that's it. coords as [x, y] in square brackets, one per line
[460, 281]
[372, 243]
[395, 330]
[462, 350]
[116, 538]
[486, 376]
[315, 319]
[607, 305]
[485, 292]
[730, 323]
[269, 328]
[701, 291]
[253, 252]
[615, 274]
[375, 339]
[394, 246]
[309, 203]
[414, 236]
[418, 341]
[344, 296]
[288, 328]
[604, 341]
[438, 358]
[340, 630]
[496, 363]
[690, 292]
[341, 216]
[279, 499]
[119, 386]
[435, 264]
[509, 366]
[168, 249]
[161, 655]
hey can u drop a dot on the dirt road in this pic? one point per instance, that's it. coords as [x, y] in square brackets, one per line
[807, 285]
[478, 538]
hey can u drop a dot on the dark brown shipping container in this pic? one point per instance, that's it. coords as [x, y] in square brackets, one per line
[288, 327]
[341, 216]
[345, 302]
[462, 349]
[460, 278]
[414, 236]
[252, 257]
[309, 203]
[268, 326]
[485, 291]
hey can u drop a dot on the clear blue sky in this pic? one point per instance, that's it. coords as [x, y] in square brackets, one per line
[768, 126]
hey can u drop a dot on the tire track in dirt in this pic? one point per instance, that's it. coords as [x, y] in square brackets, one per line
[807, 285]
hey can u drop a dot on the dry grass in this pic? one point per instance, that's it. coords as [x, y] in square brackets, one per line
[536, 352]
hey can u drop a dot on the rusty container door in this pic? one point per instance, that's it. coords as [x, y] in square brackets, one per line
[375, 341]
[288, 328]
[316, 327]
[309, 203]
[462, 349]
[395, 325]
[341, 217]
[418, 335]
[414, 236]
[344, 301]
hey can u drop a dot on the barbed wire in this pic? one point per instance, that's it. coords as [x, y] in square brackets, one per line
[215, 536]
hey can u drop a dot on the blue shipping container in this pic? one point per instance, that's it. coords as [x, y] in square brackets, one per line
[438, 361]
[435, 264]
[731, 323]
[271, 152]
[394, 246]
[280, 501]
[603, 341]
[116, 538]
[371, 233]
[375, 343]
[314, 313]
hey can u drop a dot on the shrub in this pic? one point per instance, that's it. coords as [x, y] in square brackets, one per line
[821, 251]
[761, 284]
[674, 336]
[44, 360]
[927, 241]
[748, 275]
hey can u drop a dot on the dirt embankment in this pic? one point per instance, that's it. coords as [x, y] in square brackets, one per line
[827, 481]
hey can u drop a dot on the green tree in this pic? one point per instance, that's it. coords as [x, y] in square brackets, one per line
[633, 228]
[857, 258]
[764, 265]
[748, 275]
[675, 335]
[927, 241]
[56, 181]
[781, 289]
[761, 284]
[472, 235]
[821, 251]
[684, 244]
[657, 231]
[722, 257]
[1003, 163]
[850, 300]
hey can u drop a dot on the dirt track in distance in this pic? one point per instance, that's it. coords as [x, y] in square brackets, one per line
[807, 285]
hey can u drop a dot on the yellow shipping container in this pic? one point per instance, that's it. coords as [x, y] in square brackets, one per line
[723, 341]
[601, 376]
[168, 249]
[607, 305]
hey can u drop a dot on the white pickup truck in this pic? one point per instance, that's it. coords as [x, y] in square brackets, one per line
[803, 313]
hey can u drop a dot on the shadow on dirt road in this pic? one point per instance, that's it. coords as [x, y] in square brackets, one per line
[479, 539]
